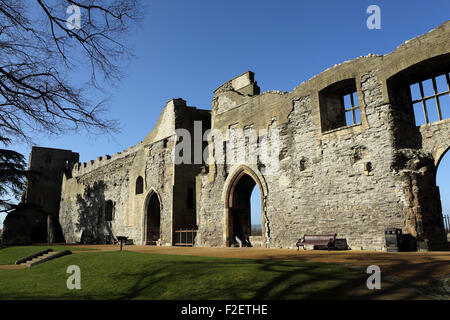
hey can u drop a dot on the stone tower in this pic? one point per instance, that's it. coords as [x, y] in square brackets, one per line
[36, 219]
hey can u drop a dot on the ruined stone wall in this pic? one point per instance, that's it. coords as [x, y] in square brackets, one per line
[160, 179]
[354, 180]
[82, 212]
[321, 185]
[317, 173]
[114, 178]
[36, 218]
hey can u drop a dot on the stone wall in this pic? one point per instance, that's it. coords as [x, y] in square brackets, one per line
[317, 173]
[36, 218]
[113, 178]
[354, 180]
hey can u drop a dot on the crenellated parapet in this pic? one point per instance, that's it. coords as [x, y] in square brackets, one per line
[80, 169]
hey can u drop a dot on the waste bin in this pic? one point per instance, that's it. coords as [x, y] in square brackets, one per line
[393, 239]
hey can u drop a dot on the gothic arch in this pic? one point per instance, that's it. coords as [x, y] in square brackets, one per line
[237, 191]
[440, 153]
[152, 209]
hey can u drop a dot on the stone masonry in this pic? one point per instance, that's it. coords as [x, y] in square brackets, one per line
[323, 174]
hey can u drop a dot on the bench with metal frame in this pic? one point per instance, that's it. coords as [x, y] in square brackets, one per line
[316, 240]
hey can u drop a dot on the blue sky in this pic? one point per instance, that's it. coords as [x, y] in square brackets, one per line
[188, 48]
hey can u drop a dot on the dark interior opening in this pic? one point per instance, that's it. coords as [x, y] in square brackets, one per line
[240, 222]
[109, 210]
[139, 185]
[153, 219]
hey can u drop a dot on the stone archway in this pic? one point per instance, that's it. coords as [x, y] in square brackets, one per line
[440, 153]
[441, 180]
[238, 210]
[152, 220]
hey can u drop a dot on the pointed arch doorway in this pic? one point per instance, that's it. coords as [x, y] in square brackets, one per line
[152, 219]
[239, 211]
[443, 183]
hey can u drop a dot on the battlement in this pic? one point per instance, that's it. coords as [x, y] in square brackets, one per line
[80, 169]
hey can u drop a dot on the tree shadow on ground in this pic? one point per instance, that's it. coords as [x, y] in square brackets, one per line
[192, 278]
[293, 280]
[400, 279]
[285, 283]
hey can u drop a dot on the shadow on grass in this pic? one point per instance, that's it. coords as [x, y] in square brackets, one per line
[159, 277]
[288, 280]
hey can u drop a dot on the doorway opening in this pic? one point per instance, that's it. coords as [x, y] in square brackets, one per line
[443, 182]
[245, 221]
[153, 223]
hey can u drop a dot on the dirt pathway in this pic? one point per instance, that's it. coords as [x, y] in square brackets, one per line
[11, 267]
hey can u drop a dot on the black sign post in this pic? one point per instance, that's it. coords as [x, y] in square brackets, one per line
[121, 239]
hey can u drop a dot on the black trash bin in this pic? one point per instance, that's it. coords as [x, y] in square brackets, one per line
[393, 239]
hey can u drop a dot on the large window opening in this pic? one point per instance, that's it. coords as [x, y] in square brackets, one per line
[245, 220]
[421, 92]
[339, 105]
[153, 222]
[431, 99]
[415, 94]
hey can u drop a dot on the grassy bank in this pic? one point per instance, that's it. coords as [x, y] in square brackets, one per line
[10, 254]
[131, 275]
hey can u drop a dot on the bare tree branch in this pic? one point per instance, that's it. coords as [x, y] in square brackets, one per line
[39, 54]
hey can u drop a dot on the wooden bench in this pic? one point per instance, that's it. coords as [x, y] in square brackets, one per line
[316, 240]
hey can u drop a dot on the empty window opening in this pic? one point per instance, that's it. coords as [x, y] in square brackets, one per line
[431, 99]
[109, 211]
[339, 105]
[139, 185]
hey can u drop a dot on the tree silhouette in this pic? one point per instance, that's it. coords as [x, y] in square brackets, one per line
[40, 50]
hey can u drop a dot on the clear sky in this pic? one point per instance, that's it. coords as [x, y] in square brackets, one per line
[188, 48]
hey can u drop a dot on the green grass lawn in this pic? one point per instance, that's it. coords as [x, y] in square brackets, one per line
[9, 255]
[131, 275]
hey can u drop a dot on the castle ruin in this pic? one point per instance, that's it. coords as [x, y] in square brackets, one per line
[349, 157]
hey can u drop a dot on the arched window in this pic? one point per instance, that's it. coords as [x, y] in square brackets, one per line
[109, 211]
[139, 185]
